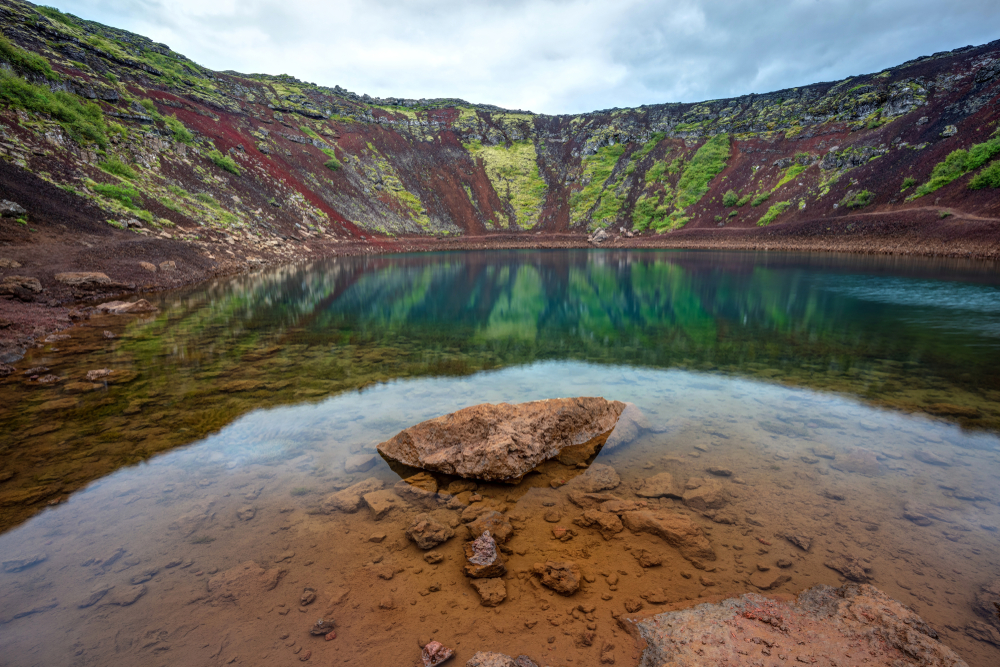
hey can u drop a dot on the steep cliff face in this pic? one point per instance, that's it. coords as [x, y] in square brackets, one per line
[166, 147]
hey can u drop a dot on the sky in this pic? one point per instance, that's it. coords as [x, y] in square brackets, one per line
[554, 56]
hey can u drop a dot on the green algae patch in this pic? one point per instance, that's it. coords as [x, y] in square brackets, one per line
[514, 175]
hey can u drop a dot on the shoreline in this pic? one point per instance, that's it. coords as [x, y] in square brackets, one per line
[58, 307]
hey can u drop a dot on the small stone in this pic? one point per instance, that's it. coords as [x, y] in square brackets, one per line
[850, 567]
[434, 653]
[377, 538]
[784, 563]
[427, 533]
[246, 513]
[552, 516]
[380, 503]
[930, 458]
[359, 463]
[484, 558]
[766, 581]
[491, 591]
[148, 266]
[494, 522]
[801, 541]
[719, 472]
[308, 597]
[561, 576]
[23, 563]
[646, 558]
[433, 557]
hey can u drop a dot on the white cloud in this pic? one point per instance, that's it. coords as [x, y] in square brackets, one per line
[554, 56]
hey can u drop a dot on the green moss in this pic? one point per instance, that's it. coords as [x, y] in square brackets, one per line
[333, 164]
[513, 172]
[760, 199]
[653, 142]
[957, 164]
[744, 200]
[56, 15]
[83, 122]
[208, 199]
[655, 173]
[224, 162]
[125, 195]
[789, 174]
[309, 132]
[118, 168]
[705, 164]
[597, 170]
[989, 177]
[908, 183]
[181, 133]
[26, 61]
[773, 212]
[731, 198]
[859, 200]
[675, 166]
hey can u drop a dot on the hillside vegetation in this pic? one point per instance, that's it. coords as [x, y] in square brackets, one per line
[169, 148]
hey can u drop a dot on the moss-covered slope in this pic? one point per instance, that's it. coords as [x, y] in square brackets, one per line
[170, 148]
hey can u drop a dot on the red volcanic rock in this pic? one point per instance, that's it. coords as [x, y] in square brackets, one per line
[434, 653]
[850, 625]
[504, 441]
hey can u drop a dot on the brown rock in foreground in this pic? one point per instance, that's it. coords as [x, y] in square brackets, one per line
[504, 441]
[851, 625]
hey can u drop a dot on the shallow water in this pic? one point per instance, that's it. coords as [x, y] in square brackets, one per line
[823, 383]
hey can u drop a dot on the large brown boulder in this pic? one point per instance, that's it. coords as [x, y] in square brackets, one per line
[502, 442]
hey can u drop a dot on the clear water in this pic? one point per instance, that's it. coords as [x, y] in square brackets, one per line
[823, 383]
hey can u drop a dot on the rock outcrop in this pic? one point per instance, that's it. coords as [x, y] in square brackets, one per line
[502, 442]
[851, 625]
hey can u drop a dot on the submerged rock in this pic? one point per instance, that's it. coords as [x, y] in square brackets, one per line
[850, 625]
[434, 653]
[563, 576]
[599, 477]
[607, 523]
[491, 591]
[350, 499]
[493, 522]
[484, 558]
[676, 530]
[504, 441]
[127, 307]
[427, 533]
[660, 486]
[850, 567]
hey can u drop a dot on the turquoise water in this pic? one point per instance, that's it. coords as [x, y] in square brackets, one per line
[821, 382]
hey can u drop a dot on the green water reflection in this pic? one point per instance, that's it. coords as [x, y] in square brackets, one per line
[915, 335]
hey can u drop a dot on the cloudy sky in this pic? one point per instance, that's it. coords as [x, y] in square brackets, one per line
[554, 56]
